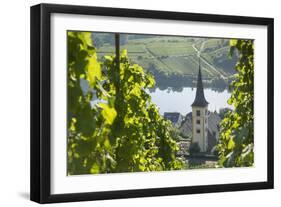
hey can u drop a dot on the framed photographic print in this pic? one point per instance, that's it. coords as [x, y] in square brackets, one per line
[132, 103]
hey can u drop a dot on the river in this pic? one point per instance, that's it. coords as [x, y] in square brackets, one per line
[172, 101]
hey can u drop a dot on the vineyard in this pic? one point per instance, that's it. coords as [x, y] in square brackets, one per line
[173, 55]
[124, 131]
[114, 127]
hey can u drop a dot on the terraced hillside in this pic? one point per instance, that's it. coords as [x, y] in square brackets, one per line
[172, 58]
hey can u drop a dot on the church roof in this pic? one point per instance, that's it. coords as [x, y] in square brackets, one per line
[174, 117]
[200, 98]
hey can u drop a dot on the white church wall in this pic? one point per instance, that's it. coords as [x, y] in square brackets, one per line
[199, 129]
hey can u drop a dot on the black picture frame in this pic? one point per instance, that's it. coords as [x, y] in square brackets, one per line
[41, 99]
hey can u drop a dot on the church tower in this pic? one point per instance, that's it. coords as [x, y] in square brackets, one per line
[200, 115]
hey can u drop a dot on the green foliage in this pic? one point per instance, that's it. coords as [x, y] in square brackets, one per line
[89, 149]
[236, 129]
[123, 131]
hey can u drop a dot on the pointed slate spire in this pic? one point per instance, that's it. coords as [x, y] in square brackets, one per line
[200, 98]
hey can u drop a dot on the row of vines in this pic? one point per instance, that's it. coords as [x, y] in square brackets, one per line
[113, 126]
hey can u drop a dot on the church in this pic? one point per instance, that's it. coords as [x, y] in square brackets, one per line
[201, 125]
[200, 116]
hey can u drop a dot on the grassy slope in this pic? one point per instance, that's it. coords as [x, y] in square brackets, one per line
[176, 55]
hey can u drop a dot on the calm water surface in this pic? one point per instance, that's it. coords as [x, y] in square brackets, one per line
[171, 101]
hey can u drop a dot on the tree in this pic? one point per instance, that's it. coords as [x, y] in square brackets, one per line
[114, 126]
[236, 129]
